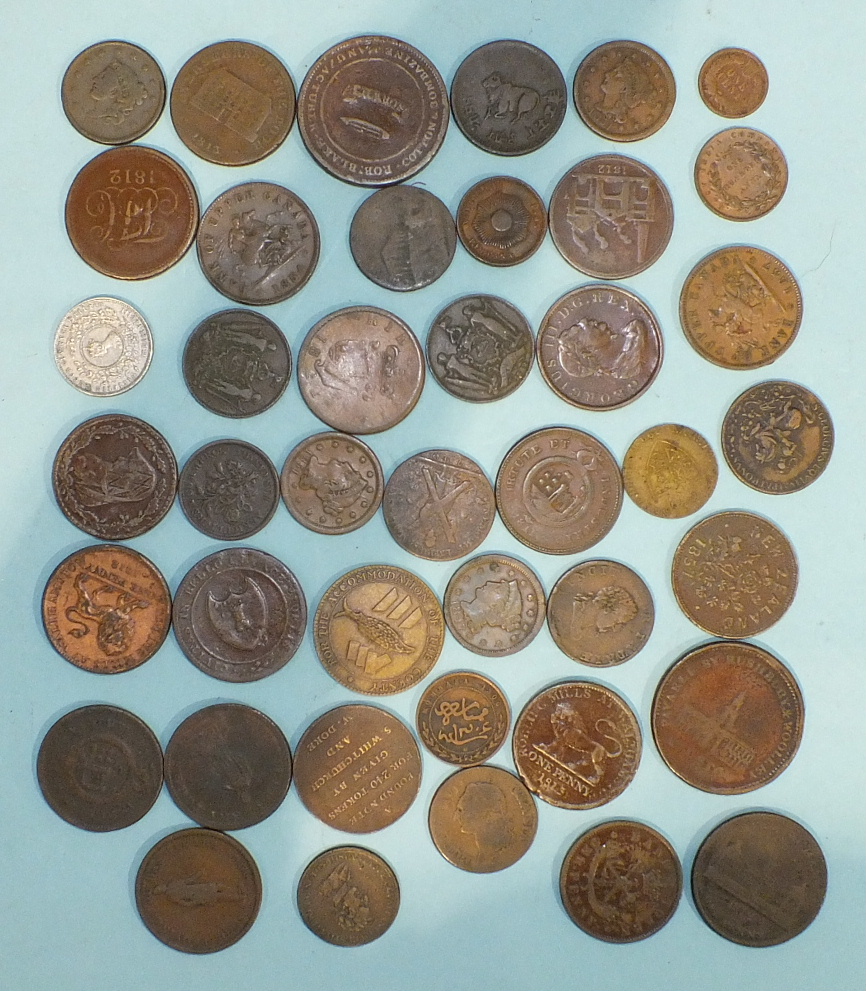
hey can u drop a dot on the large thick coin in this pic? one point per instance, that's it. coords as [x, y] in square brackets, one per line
[670, 471]
[463, 718]
[741, 174]
[733, 82]
[501, 221]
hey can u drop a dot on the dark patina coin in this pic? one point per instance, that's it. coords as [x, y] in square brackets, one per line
[501, 221]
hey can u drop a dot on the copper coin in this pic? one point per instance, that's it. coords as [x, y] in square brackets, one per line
[361, 370]
[348, 896]
[233, 103]
[600, 613]
[624, 91]
[494, 605]
[501, 221]
[258, 243]
[599, 347]
[357, 768]
[728, 718]
[439, 505]
[239, 614]
[379, 630]
[759, 879]
[621, 881]
[463, 718]
[100, 768]
[577, 745]
[777, 437]
[733, 82]
[559, 490]
[373, 110]
[113, 92]
[734, 574]
[741, 174]
[198, 891]
[228, 766]
[740, 307]
[670, 471]
[611, 216]
[132, 212]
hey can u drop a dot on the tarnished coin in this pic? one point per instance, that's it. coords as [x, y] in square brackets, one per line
[379, 630]
[577, 745]
[501, 221]
[734, 574]
[670, 471]
[228, 766]
[239, 614]
[463, 718]
[728, 717]
[740, 307]
[559, 490]
[741, 174]
[100, 768]
[621, 881]
[233, 103]
[348, 896]
[733, 82]
[361, 370]
[357, 768]
[599, 347]
[439, 505]
[198, 891]
[759, 879]
[113, 92]
[777, 437]
[373, 110]
[600, 613]
[258, 243]
[494, 605]
[624, 91]
[132, 212]
[115, 477]
[611, 216]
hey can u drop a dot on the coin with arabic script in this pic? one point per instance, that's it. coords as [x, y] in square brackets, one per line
[463, 718]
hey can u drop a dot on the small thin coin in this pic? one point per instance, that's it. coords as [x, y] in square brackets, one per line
[759, 879]
[670, 471]
[501, 221]
[733, 82]
[463, 718]
[741, 174]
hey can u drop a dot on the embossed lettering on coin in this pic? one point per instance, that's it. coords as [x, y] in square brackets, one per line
[670, 471]
[741, 174]
[463, 718]
[733, 82]
[501, 221]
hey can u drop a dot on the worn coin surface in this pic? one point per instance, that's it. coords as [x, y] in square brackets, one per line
[733, 82]
[239, 614]
[670, 471]
[198, 891]
[741, 174]
[100, 768]
[501, 221]
[759, 879]
[463, 718]
[621, 881]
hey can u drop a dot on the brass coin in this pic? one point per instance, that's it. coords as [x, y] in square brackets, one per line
[463, 718]
[670, 471]
[741, 174]
[733, 82]
[501, 221]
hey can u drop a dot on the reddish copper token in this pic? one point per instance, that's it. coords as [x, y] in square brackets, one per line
[501, 221]
[741, 174]
[733, 82]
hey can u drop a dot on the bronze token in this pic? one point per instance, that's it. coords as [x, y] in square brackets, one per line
[733, 82]
[670, 471]
[501, 221]
[198, 891]
[777, 437]
[734, 574]
[759, 879]
[100, 768]
[357, 768]
[728, 718]
[463, 718]
[741, 174]
[379, 630]
[233, 103]
[106, 609]
[621, 881]
[559, 490]
[599, 347]
[483, 819]
[577, 745]
[131, 212]
[600, 613]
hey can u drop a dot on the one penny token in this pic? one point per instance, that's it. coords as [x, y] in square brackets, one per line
[239, 614]
[577, 745]
[734, 574]
[559, 490]
[463, 718]
[357, 768]
[233, 103]
[728, 718]
[361, 370]
[198, 891]
[741, 174]
[379, 630]
[100, 768]
[501, 221]
[228, 766]
[494, 605]
[670, 471]
[132, 212]
[348, 896]
[759, 879]
[777, 437]
[733, 82]
[373, 110]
